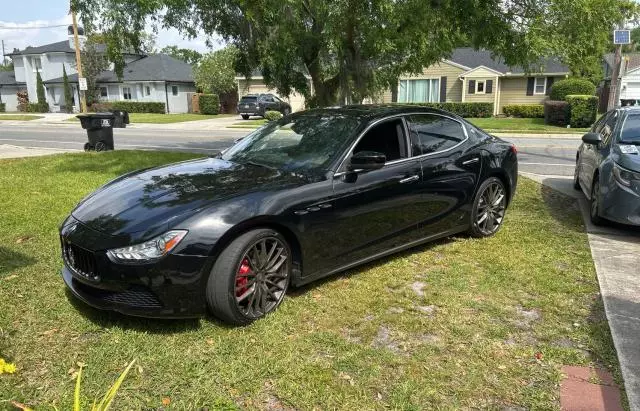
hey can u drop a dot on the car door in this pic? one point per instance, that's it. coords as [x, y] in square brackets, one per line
[378, 210]
[584, 151]
[269, 103]
[450, 171]
[591, 153]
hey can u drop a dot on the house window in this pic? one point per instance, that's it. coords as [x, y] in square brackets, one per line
[174, 90]
[126, 93]
[480, 87]
[37, 64]
[540, 86]
[419, 91]
[147, 91]
[104, 93]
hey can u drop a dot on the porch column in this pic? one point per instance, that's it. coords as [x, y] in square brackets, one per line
[464, 88]
[496, 97]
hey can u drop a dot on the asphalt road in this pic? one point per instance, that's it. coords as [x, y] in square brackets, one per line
[544, 156]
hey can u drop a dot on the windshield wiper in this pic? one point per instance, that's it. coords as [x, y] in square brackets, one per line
[253, 163]
[630, 142]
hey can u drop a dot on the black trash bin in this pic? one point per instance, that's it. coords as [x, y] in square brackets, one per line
[99, 128]
[121, 119]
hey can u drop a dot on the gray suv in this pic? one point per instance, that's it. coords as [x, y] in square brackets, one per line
[258, 104]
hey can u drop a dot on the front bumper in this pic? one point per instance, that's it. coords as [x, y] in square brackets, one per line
[173, 287]
[620, 204]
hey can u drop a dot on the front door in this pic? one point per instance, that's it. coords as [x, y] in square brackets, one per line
[378, 210]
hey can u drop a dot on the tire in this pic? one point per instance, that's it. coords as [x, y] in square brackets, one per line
[245, 117]
[87, 147]
[594, 206]
[101, 146]
[286, 111]
[487, 220]
[237, 280]
[576, 178]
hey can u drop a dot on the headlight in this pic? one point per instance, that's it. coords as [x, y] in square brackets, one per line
[624, 176]
[150, 250]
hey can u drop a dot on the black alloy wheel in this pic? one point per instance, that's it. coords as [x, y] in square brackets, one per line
[489, 208]
[286, 111]
[576, 177]
[594, 210]
[250, 277]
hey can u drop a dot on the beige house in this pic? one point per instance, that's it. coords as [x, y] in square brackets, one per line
[467, 76]
[475, 76]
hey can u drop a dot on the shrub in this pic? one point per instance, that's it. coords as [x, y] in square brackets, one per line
[582, 110]
[461, 109]
[556, 113]
[524, 110]
[209, 104]
[130, 106]
[571, 86]
[38, 107]
[3, 107]
[272, 115]
[23, 100]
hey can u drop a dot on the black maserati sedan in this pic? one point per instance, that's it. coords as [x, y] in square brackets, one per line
[310, 195]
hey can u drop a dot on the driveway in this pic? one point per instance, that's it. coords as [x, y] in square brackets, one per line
[616, 255]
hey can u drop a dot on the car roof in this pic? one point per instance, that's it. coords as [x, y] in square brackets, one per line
[377, 111]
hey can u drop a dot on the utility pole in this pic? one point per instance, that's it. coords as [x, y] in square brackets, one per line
[3, 57]
[613, 89]
[83, 98]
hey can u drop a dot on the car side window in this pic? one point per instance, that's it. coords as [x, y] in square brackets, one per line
[388, 138]
[431, 133]
[276, 99]
[608, 127]
[268, 99]
[597, 126]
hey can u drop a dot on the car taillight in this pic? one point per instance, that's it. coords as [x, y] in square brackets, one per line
[513, 149]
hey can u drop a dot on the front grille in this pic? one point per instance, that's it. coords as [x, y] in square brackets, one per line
[81, 261]
[136, 296]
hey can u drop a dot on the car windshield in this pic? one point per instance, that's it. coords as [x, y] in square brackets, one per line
[308, 141]
[631, 130]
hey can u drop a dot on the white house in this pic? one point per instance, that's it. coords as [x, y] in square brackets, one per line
[629, 74]
[145, 78]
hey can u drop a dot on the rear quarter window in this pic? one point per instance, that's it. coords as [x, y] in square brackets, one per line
[433, 133]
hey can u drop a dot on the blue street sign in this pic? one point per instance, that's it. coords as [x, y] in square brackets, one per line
[621, 37]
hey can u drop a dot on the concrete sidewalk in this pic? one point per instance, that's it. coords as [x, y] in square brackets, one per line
[616, 255]
[9, 151]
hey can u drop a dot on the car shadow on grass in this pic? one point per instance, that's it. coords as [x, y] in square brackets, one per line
[11, 260]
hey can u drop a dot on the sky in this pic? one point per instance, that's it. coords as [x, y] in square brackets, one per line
[18, 20]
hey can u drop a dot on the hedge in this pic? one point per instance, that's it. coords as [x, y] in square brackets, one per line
[556, 113]
[209, 104]
[38, 107]
[272, 115]
[461, 109]
[524, 110]
[571, 86]
[3, 107]
[130, 106]
[583, 110]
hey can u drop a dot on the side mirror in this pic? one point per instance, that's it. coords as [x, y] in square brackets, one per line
[367, 160]
[592, 138]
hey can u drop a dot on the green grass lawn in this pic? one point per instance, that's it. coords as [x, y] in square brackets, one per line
[19, 117]
[495, 124]
[459, 324]
[157, 118]
[507, 124]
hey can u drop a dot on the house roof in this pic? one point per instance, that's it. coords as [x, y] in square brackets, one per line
[155, 67]
[8, 78]
[58, 47]
[632, 58]
[469, 57]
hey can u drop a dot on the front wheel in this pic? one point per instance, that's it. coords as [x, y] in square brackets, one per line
[286, 111]
[489, 207]
[250, 277]
[594, 212]
[576, 177]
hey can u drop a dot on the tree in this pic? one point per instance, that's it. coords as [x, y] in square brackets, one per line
[187, 55]
[216, 72]
[94, 62]
[68, 93]
[354, 48]
[6, 66]
[42, 105]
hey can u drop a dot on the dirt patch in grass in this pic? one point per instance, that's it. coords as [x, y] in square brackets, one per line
[458, 324]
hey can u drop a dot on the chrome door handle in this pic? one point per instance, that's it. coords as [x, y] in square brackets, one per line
[410, 179]
[472, 161]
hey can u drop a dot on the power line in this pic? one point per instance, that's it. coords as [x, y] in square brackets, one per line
[32, 28]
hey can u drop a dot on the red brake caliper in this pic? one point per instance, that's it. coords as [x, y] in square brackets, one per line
[242, 279]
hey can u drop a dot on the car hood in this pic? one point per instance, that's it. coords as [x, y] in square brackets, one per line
[626, 160]
[155, 198]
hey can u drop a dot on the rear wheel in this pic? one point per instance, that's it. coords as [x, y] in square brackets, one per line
[286, 111]
[245, 117]
[489, 207]
[87, 147]
[101, 146]
[595, 203]
[250, 277]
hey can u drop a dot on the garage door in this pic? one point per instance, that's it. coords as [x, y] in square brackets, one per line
[258, 87]
[632, 91]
